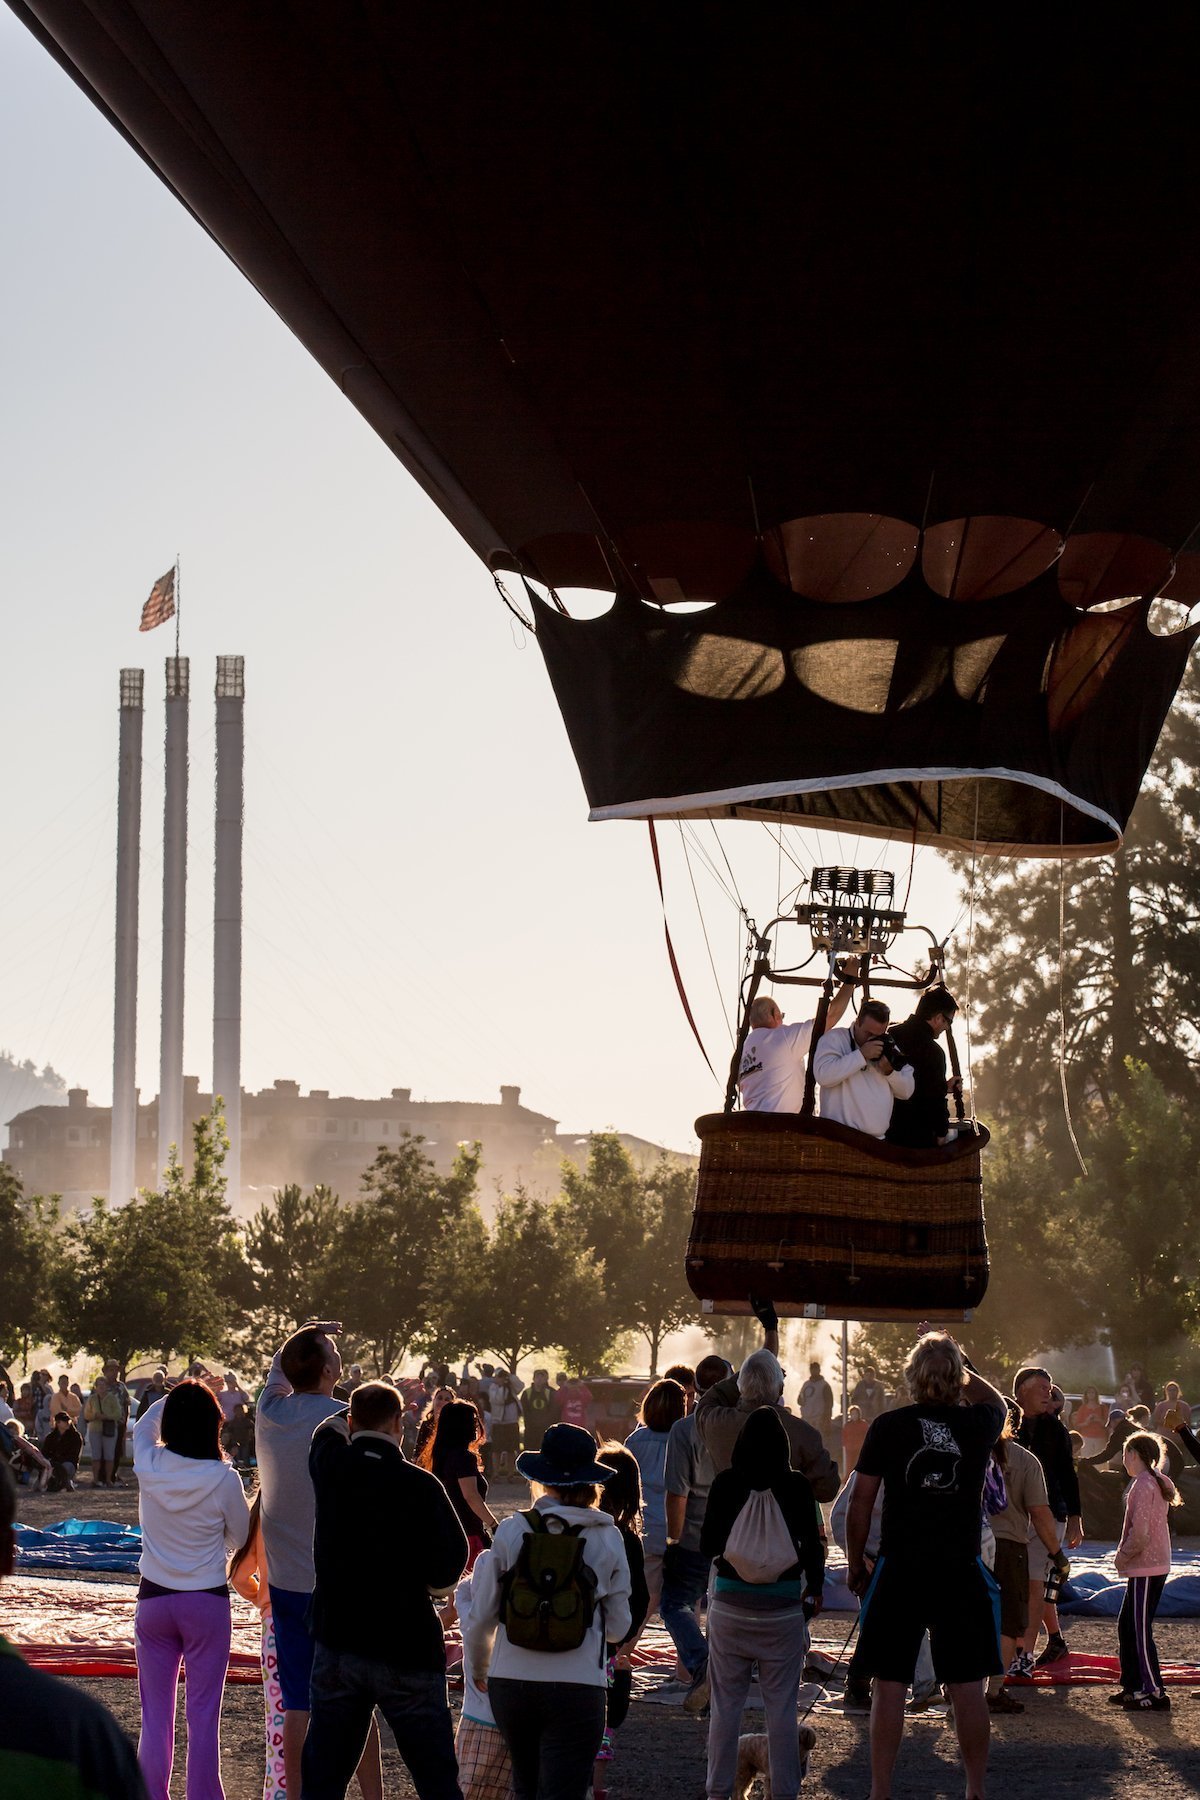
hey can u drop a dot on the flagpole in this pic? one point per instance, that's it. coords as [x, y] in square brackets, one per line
[178, 602]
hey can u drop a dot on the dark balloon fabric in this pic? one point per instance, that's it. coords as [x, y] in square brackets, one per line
[637, 292]
[1019, 723]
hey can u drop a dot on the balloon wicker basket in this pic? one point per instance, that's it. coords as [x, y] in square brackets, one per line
[831, 1224]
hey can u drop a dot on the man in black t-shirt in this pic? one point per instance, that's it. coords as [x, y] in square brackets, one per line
[931, 1458]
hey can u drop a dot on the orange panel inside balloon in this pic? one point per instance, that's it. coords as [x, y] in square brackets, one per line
[1098, 566]
[982, 557]
[686, 559]
[841, 557]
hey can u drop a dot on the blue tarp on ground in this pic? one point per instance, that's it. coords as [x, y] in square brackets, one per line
[93, 1545]
[1096, 1590]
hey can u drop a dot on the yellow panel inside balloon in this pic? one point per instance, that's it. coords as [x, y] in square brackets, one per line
[855, 673]
[728, 668]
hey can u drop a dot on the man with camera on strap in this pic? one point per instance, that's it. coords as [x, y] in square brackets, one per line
[861, 1070]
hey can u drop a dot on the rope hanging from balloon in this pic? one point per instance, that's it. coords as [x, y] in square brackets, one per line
[971, 945]
[673, 959]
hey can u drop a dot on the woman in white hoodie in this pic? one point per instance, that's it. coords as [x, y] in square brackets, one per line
[193, 1512]
[548, 1692]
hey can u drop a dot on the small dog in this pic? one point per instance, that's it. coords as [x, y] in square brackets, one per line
[753, 1761]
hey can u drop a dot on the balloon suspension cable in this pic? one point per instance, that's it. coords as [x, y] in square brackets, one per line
[732, 877]
[1062, 1008]
[712, 963]
[912, 849]
[734, 899]
[759, 971]
[820, 1025]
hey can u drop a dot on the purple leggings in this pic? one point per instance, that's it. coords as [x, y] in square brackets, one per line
[193, 1629]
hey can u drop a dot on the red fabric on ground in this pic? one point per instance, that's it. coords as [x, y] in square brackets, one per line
[1086, 1671]
[82, 1659]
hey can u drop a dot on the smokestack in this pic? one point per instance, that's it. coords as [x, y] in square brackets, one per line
[175, 802]
[122, 1176]
[227, 911]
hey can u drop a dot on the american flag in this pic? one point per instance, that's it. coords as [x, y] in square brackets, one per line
[161, 605]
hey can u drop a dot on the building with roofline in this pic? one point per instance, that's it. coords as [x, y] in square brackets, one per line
[288, 1136]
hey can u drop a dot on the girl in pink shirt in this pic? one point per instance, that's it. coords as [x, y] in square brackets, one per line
[1144, 1558]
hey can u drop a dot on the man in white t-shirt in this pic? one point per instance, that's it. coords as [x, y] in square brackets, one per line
[775, 1055]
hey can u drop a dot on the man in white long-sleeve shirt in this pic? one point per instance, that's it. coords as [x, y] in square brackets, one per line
[857, 1082]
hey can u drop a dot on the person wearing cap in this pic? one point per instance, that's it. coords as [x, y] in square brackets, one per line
[550, 1706]
[922, 1121]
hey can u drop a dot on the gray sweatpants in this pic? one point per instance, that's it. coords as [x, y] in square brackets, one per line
[739, 1637]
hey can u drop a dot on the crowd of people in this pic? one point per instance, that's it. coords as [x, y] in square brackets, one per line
[957, 1509]
[47, 1428]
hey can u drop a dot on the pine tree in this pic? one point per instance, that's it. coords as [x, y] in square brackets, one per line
[1130, 962]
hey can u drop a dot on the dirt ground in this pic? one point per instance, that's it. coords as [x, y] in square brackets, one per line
[1069, 1742]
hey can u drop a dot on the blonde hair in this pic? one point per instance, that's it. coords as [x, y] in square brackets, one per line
[934, 1373]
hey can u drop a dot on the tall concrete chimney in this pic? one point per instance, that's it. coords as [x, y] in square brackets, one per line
[122, 1174]
[175, 824]
[227, 910]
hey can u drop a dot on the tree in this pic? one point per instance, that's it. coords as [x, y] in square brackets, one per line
[1131, 955]
[602, 1196]
[1136, 1222]
[1115, 1254]
[290, 1248]
[1036, 1297]
[528, 1284]
[636, 1224]
[646, 1283]
[28, 1256]
[162, 1273]
[391, 1251]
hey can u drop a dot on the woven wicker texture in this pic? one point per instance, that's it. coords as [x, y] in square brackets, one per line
[808, 1211]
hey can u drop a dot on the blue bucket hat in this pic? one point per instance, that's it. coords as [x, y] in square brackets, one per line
[567, 1458]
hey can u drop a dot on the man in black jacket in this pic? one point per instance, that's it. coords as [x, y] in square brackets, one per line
[387, 1539]
[1044, 1433]
[924, 1121]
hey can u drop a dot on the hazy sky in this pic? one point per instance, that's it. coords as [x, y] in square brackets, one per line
[425, 904]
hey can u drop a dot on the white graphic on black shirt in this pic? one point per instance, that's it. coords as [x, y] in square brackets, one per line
[934, 1467]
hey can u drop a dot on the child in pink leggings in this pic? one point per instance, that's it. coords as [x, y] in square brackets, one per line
[1144, 1558]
